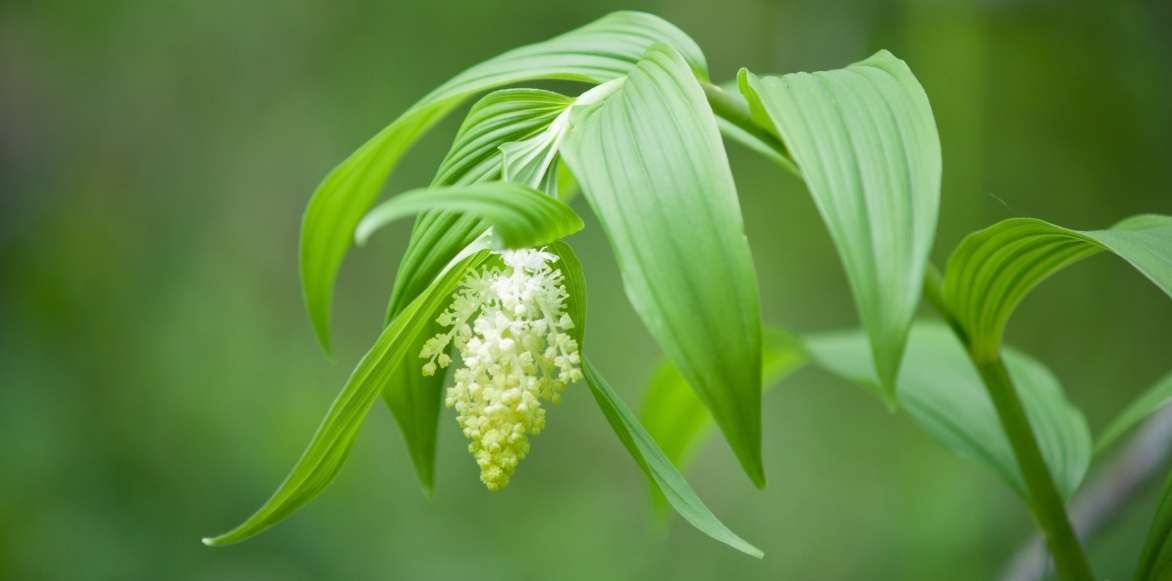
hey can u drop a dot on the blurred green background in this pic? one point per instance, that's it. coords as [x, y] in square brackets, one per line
[158, 376]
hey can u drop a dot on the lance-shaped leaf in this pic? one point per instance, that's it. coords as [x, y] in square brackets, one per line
[1155, 561]
[501, 117]
[992, 270]
[1153, 400]
[656, 465]
[652, 165]
[659, 470]
[604, 49]
[331, 444]
[941, 390]
[865, 141]
[520, 216]
[678, 420]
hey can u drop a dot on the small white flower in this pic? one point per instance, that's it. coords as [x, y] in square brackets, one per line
[516, 352]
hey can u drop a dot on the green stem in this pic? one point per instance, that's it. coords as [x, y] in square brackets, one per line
[734, 111]
[1045, 501]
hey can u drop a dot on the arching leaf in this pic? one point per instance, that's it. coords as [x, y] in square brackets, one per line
[659, 470]
[652, 165]
[604, 49]
[500, 117]
[331, 444]
[656, 465]
[865, 141]
[520, 216]
[992, 270]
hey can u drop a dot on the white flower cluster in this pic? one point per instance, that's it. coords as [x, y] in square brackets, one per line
[515, 353]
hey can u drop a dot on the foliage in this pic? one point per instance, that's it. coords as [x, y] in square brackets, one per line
[644, 145]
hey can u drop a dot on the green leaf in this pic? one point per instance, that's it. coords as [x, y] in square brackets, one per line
[602, 50]
[1154, 399]
[678, 420]
[520, 216]
[651, 163]
[500, 117]
[656, 465]
[941, 390]
[865, 141]
[1155, 562]
[331, 444]
[993, 269]
[634, 438]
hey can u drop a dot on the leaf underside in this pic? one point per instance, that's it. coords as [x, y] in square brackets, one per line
[993, 269]
[866, 143]
[651, 163]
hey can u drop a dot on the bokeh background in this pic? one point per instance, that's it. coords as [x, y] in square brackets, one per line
[158, 375]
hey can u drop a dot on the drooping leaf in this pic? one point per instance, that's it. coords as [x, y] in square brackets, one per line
[993, 269]
[604, 49]
[651, 163]
[656, 465]
[1155, 562]
[678, 420]
[519, 215]
[1153, 400]
[659, 470]
[940, 389]
[331, 443]
[865, 141]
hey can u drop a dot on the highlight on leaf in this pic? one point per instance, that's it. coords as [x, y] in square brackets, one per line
[520, 217]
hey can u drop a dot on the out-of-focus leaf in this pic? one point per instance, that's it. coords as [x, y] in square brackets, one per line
[1154, 399]
[331, 444]
[604, 49]
[941, 390]
[520, 216]
[865, 141]
[663, 474]
[678, 420]
[993, 269]
[1155, 562]
[651, 163]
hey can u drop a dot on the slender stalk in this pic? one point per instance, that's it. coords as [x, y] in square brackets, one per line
[1045, 501]
[738, 124]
